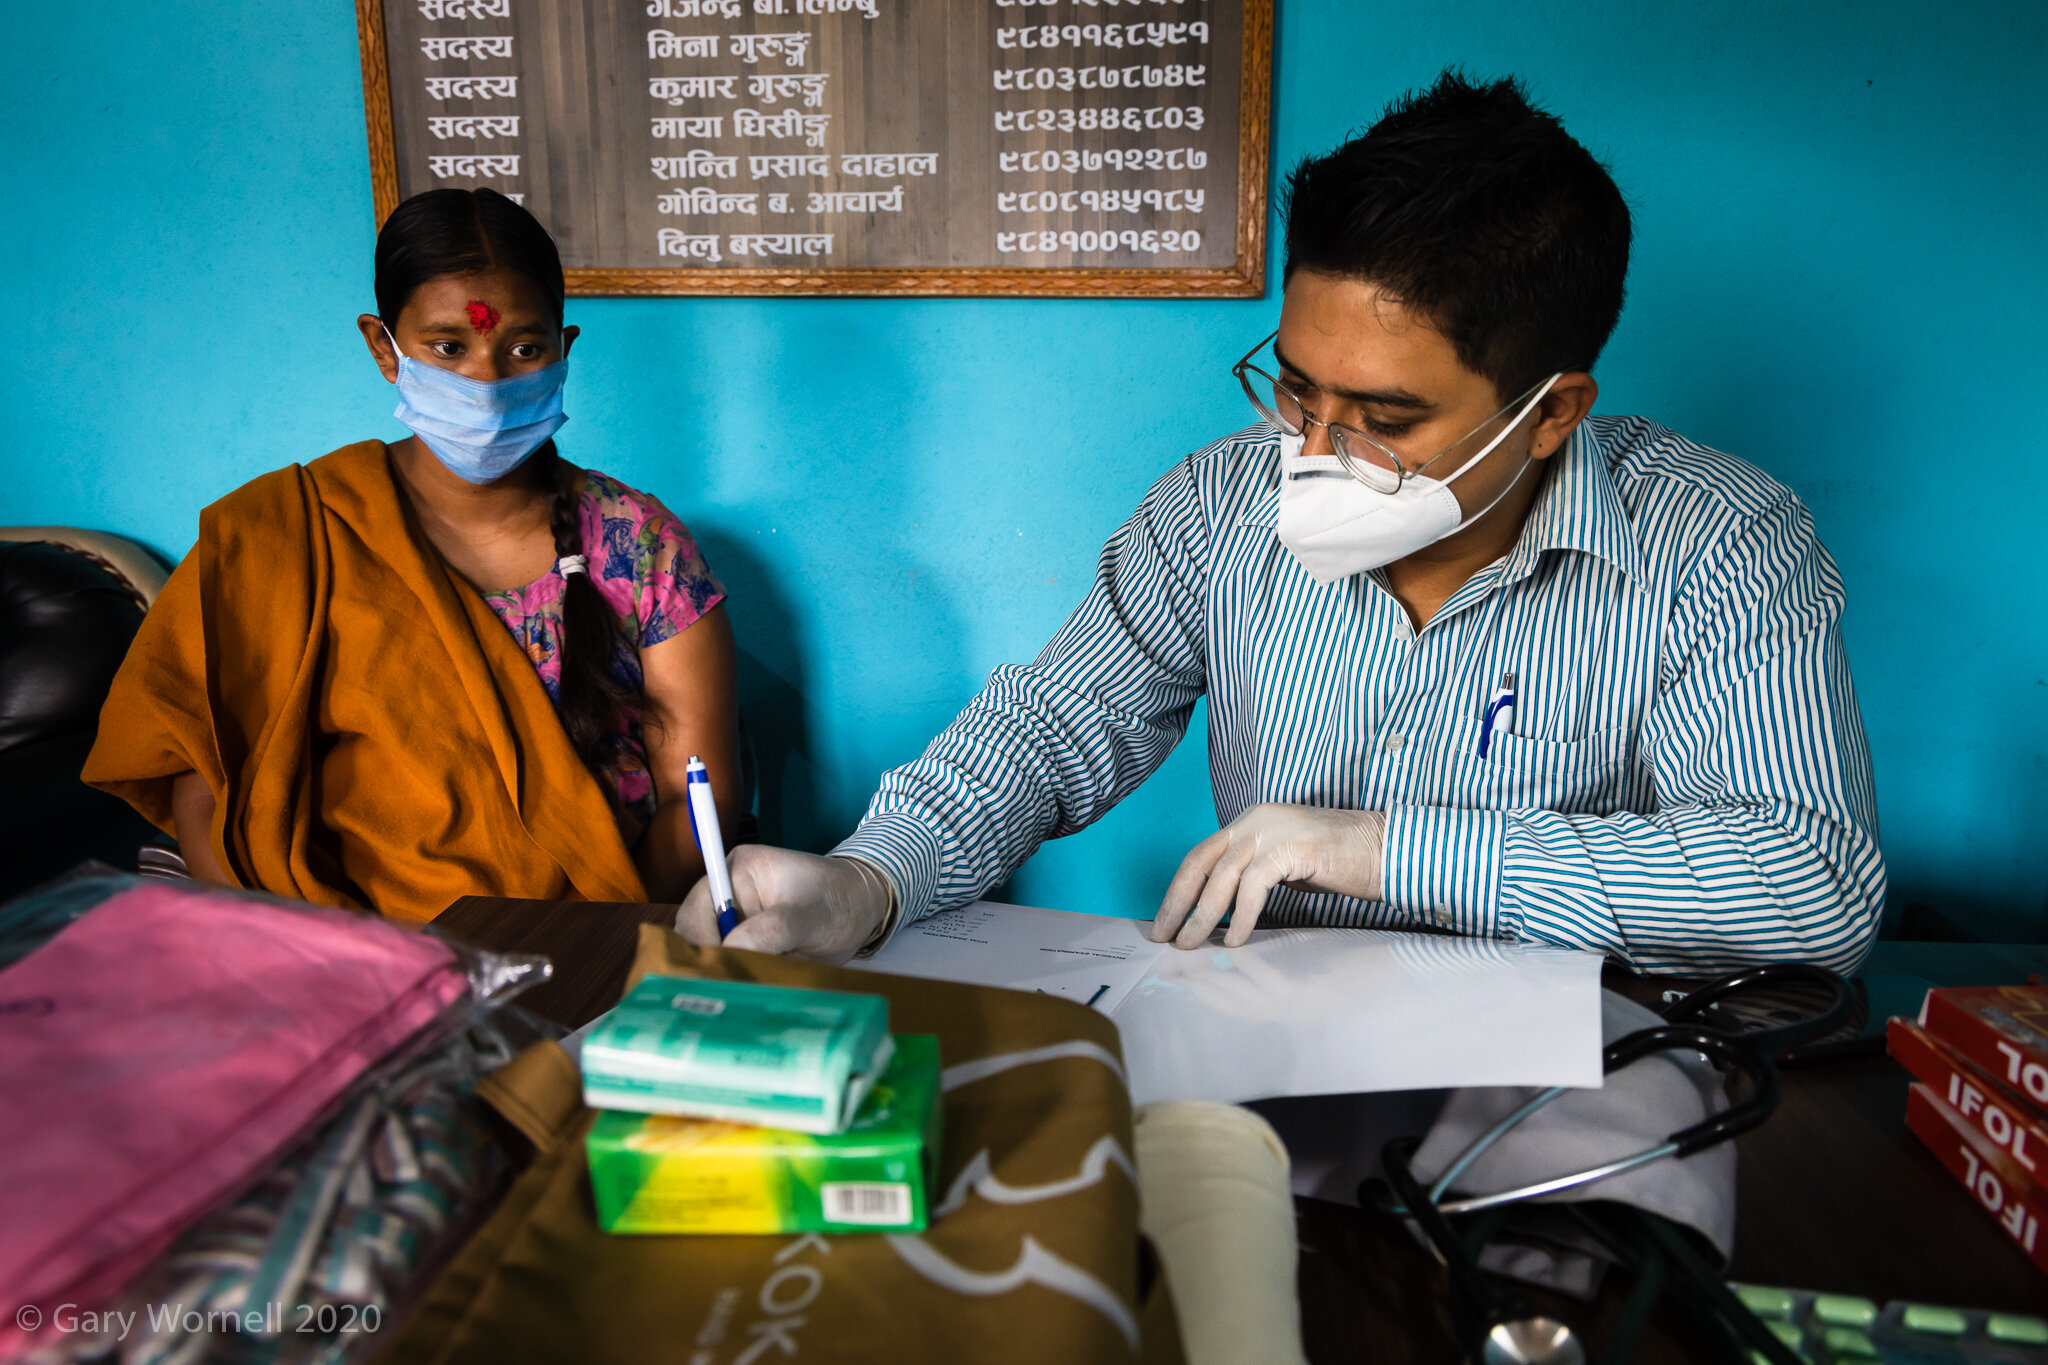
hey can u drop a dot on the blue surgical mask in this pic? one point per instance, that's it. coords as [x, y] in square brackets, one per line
[481, 429]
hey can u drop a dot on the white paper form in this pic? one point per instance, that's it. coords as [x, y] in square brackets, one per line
[1093, 959]
[1348, 1011]
[1293, 1011]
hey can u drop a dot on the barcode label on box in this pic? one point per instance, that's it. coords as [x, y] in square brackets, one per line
[882, 1205]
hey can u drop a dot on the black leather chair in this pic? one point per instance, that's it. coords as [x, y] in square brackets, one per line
[67, 616]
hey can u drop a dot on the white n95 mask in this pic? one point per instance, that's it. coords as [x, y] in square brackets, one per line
[1336, 527]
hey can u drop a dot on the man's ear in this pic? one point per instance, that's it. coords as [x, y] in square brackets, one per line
[379, 342]
[1561, 410]
[569, 335]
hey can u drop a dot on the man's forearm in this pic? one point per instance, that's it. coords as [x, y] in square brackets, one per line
[1695, 888]
[1046, 748]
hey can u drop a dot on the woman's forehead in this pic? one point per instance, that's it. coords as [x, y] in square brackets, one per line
[510, 295]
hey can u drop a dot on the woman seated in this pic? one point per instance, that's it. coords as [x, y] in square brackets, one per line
[454, 665]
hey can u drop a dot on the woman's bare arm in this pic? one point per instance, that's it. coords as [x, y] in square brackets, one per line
[692, 708]
[192, 817]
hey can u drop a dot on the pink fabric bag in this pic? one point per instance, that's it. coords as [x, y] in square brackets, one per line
[160, 1052]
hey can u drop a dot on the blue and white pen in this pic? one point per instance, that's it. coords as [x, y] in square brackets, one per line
[1500, 712]
[711, 843]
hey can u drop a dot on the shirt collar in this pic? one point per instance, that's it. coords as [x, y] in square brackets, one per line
[1579, 509]
[1263, 506]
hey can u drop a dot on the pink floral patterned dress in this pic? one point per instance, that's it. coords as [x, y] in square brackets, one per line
[648, 568]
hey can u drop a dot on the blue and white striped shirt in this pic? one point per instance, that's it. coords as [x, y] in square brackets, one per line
[1686, 785]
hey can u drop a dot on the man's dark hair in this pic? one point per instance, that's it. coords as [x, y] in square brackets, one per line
[1477, 210]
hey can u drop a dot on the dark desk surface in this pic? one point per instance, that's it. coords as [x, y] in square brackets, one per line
[1832, 1194]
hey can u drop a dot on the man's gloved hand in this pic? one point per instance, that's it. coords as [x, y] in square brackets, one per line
[1308, 847]
[799, 904]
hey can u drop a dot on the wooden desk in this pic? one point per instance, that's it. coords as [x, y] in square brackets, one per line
[1833, 1193]
[590, 943]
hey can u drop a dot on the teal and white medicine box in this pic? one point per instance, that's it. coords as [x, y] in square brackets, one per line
[777, 1056]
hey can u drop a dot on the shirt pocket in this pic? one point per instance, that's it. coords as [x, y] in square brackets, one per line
[1574, 776]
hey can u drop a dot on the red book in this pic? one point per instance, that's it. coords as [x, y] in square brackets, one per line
[1986, 1172]
[2001, 1029]
[1999, 1116]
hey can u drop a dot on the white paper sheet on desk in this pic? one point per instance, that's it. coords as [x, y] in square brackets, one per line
[1094, 959]
[1346, 1011]
[1294, 1011]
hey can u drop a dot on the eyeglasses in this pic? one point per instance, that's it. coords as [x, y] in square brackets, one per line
[1365, 459]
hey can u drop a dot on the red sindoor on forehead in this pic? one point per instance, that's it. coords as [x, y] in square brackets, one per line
[482, 317]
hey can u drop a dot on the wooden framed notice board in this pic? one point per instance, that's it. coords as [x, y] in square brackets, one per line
[983, 147]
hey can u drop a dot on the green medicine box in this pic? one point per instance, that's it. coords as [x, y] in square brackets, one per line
[739, 1051]
[657, 1173]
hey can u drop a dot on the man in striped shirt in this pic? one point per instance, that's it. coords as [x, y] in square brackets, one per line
[1474, 658]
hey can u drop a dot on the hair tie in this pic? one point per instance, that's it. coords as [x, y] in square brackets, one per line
[569, 564]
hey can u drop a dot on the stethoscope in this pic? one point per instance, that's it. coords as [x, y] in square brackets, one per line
[1500, 1328]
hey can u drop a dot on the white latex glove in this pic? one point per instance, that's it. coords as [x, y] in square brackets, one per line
[792, 903]
[1310, 848]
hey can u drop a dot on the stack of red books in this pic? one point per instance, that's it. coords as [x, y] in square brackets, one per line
[1980, 1057]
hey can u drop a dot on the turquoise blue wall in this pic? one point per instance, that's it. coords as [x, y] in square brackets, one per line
[1840, 276]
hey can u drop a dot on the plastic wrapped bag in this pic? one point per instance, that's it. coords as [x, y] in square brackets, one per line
[320, 1255]
[168, 1046]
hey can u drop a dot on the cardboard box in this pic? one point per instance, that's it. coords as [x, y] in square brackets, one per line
[738, 1051]
[655, 1173]
[1997, 1184]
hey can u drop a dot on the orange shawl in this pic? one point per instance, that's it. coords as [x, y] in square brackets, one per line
[371, 732]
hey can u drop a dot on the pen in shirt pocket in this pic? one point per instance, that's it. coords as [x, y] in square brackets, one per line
[1500, 712]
